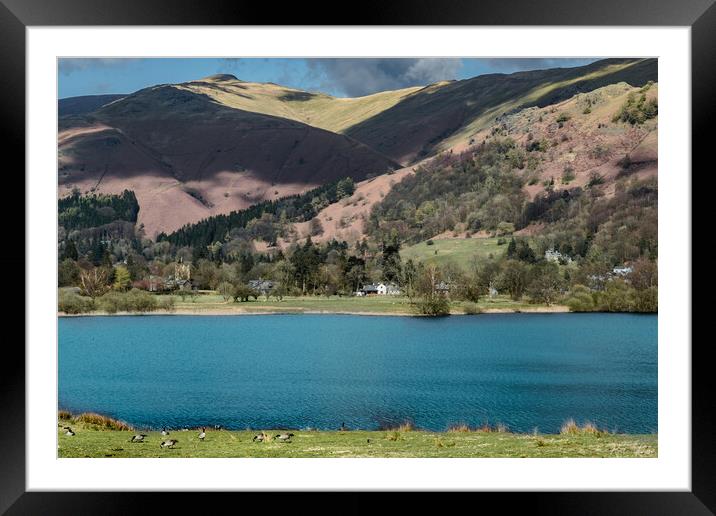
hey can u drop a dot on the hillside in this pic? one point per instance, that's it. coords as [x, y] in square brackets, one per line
[587, 147]
[187, 157]
[438, 118]
[84, 104]
[219, 144]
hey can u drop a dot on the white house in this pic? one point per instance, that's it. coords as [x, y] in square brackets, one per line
[381, 289]
[622, 271]
[552, 255]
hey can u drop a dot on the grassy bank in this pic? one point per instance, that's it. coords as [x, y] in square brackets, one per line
[376, 305]
[95, 440]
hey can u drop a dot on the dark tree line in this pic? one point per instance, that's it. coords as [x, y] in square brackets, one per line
[295, 208]
[78, 211]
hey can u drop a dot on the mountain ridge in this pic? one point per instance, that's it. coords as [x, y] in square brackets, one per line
[218, 144]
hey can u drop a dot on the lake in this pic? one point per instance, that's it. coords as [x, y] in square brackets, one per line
[526, 371]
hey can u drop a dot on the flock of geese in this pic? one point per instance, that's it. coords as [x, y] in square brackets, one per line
[169, 443]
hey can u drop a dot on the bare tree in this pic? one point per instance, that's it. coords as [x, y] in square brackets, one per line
[93, 282]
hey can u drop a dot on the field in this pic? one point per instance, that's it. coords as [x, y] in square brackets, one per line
[91, 441]
[460, 251]
[386, 305]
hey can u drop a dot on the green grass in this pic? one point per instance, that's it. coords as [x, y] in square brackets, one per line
[400, 305]
[460, 251]
[91, 441]
[299, 304]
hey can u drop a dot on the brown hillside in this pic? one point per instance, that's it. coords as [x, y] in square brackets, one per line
[589, 143]
[188, 157]
[437, 117]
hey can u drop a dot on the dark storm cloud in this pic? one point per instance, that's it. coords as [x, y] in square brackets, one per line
[357, 77]
[517, 64]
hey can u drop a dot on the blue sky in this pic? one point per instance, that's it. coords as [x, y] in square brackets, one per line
[338, 77]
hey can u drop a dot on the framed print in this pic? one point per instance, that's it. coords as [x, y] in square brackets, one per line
[423, 257]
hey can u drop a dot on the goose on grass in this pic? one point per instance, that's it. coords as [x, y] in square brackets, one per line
[69, 431]
[137, 438]
[284, 437]
[202, 434]
[169, 443]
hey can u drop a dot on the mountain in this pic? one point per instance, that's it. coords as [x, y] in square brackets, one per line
[434, 118]
[84, 104]
[575, 144]
[219, 144]
[187, 157]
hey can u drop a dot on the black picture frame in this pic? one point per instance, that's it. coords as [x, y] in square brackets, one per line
[17, 15]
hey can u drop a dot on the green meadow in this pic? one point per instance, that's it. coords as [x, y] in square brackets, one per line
[460, 251]
[93, 441]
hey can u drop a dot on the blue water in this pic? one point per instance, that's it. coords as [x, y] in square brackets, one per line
[298, 371]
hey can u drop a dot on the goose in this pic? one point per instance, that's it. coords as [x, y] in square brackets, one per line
[169, 443]
[138, 438]
[164, 431]
[343, 427]
[202, 434]
[69, 431]
[284, 437]
[259, 437]
[217, 427]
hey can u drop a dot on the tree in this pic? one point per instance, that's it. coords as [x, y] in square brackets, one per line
[122, 279]
[471, 289]
[390, 262]
[315, 227]
[70, 251]
[354, 273]
[505, 228]
[432, 301]
[616, 297]
[644, 274]
[580, 299]
[546, 283]
[345, 187]
[409, 278]
[226, 290]
[68, 273]
[206, 275]
[514, 278]
[93, 282]
[305, 261]
[512, 248]
[646, 300]
[279, 291]
[243, 292]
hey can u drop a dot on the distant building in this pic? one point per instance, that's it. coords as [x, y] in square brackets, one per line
[622, 271]
[442, 287]
[492, 291]
[551, 255]
[172, 283]
[392, 289]
[369, 290]
[380, 289]
[261, 285]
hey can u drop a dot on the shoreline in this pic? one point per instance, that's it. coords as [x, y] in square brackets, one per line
[213, 311]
